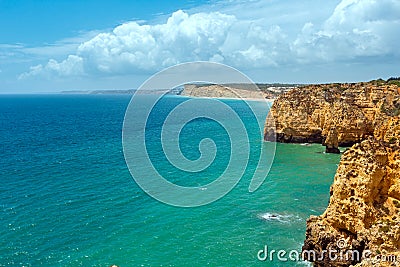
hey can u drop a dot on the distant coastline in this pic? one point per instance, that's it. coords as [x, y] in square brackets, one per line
[225, 91]
[237, 90]
[176, 91]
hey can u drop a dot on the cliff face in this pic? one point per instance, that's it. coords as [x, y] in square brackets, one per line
[364, 209]
[331, 114]
[361, 226]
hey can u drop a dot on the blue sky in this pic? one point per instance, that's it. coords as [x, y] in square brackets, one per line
[49, 46]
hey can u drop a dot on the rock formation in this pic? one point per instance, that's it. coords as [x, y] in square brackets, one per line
[331, 114]
[361, 226]
[364, 208]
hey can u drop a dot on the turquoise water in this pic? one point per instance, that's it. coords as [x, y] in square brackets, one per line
[67, 197]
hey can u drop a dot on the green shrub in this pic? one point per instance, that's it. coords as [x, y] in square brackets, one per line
[395, 82]
[385, 228]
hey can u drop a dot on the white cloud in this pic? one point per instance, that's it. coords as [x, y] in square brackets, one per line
[148, 47]
[132, 47]
[354, 29]
[71, 66]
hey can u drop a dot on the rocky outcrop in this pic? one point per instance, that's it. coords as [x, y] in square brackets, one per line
[362, 222]
[361, 225]
[331, 114]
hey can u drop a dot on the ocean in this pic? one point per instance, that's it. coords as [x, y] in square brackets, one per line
[67, 197]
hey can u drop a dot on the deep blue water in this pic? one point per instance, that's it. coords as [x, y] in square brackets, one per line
[67, 197]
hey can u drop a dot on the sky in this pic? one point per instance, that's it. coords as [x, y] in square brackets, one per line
[52, 46]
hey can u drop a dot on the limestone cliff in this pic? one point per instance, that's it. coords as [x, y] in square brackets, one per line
[331, 114]
[364, 209]
[361, 224]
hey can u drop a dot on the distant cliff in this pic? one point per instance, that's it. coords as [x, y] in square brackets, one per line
[331, 114]
[248, 91]
[174, 91]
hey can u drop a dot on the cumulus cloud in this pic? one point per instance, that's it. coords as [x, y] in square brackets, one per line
[71, 66]
[355, 29]
[133, 47]
[149, 47]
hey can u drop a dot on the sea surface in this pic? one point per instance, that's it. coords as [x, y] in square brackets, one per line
[67, 197]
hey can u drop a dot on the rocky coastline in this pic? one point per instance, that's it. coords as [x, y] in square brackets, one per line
[361, 224]
[331, 114]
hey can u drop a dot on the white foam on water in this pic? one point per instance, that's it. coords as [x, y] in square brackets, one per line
[284, 218]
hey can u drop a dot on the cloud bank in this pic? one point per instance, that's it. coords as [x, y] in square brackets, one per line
[356, 30]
